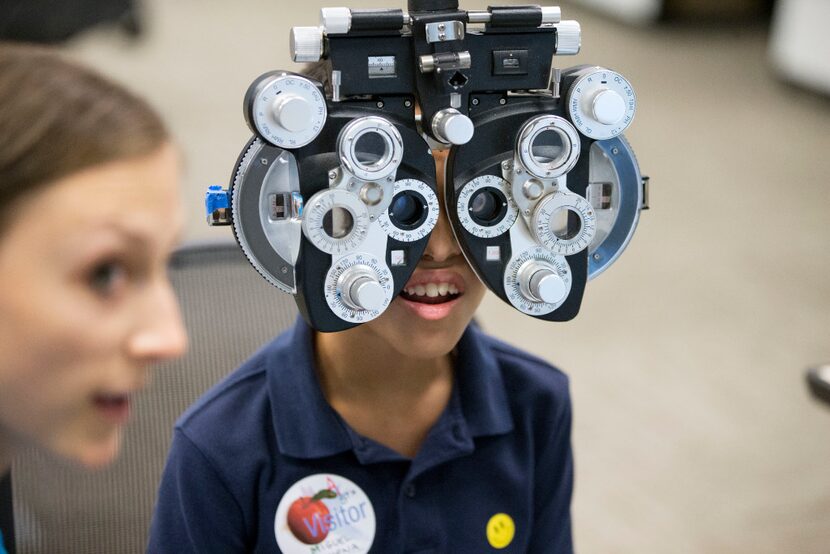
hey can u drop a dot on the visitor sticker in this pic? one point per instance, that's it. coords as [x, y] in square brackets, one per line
[325, 514]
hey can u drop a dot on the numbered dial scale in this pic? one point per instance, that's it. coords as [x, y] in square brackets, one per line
[535, 275]
[601, 103]
[336, 221]
[485, 207]
[552, 225]
[358, 287]
[412, 213]
[286, 109]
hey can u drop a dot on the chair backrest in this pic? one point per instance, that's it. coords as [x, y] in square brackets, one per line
[229, 311]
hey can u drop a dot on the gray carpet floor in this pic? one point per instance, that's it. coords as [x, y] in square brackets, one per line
[693, 429]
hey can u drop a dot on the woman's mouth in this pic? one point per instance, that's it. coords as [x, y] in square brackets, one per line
[114, 407]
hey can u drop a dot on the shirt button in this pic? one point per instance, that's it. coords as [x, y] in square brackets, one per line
[409, 490]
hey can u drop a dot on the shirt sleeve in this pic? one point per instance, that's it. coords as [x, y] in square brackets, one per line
[554, 487]
[195, 511]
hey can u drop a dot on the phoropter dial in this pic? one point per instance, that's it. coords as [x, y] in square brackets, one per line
[452, 127]
[548, 146]
[358, 287]
[601, 103]
[564, 222]
[336, 221]
[537, 281]
[286, 109]
[485, 207]
[370, 148]
[412, 213]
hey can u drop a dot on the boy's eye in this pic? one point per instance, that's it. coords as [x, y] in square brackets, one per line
[106, 277]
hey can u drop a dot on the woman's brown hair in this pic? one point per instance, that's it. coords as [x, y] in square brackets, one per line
[57, 118]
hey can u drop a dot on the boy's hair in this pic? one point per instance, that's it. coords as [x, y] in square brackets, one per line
[320, 71]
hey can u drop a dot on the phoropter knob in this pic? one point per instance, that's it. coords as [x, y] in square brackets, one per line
[540, 282]
[601, 102]
[608, 107]
[306, 44]
[568, 38]
[336, 21]
[293, 113]
[360, 289]
[452, 127]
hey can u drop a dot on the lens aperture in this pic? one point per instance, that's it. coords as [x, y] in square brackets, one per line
[549, 148]
[408, 210]
[338, 222]
[488, 206]
[565, 223]
[371, 150]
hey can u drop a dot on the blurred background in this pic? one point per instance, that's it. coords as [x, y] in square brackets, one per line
[693, 429]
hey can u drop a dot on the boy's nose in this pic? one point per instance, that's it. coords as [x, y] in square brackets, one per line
[442, 245]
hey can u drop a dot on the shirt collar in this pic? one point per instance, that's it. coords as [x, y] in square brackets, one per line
[305, 424]
[308, 427]
[481, 385]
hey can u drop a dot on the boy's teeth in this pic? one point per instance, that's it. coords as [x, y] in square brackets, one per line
[432, 289]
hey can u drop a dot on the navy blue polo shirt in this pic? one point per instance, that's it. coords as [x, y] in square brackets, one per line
[262, 463]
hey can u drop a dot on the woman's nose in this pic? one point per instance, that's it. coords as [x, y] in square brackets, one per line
[160, 335]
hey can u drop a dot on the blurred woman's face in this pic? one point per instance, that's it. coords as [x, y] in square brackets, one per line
[85, 304]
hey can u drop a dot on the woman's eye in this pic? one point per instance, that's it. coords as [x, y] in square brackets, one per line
[107, 277]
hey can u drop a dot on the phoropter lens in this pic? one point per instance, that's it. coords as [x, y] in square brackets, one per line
[338, 222]
[408, 210]
[488, 206]
[565, 223]
[370, 150]
[549, 148]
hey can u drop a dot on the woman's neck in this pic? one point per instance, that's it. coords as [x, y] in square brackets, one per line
[6, 453]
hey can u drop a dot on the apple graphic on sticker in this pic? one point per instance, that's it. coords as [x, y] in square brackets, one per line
[309, 518]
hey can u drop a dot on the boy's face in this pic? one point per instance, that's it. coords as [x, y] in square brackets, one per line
[439, 300]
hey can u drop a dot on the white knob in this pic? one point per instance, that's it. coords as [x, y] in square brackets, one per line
[292, 112]
[360, 289]
[547, 286]
[306, 44]
[336, 21]
[551, 14]
[367, 293]
[452, 127]
[540, 282]
[608, 107]
[568, 38]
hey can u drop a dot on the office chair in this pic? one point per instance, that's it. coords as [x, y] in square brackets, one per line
[229, 311]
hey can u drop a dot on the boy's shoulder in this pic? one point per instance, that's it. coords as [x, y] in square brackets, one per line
[240, 395]
[527, 377]
[515, 360]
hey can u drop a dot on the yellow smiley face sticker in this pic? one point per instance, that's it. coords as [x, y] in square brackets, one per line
[500, 531]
